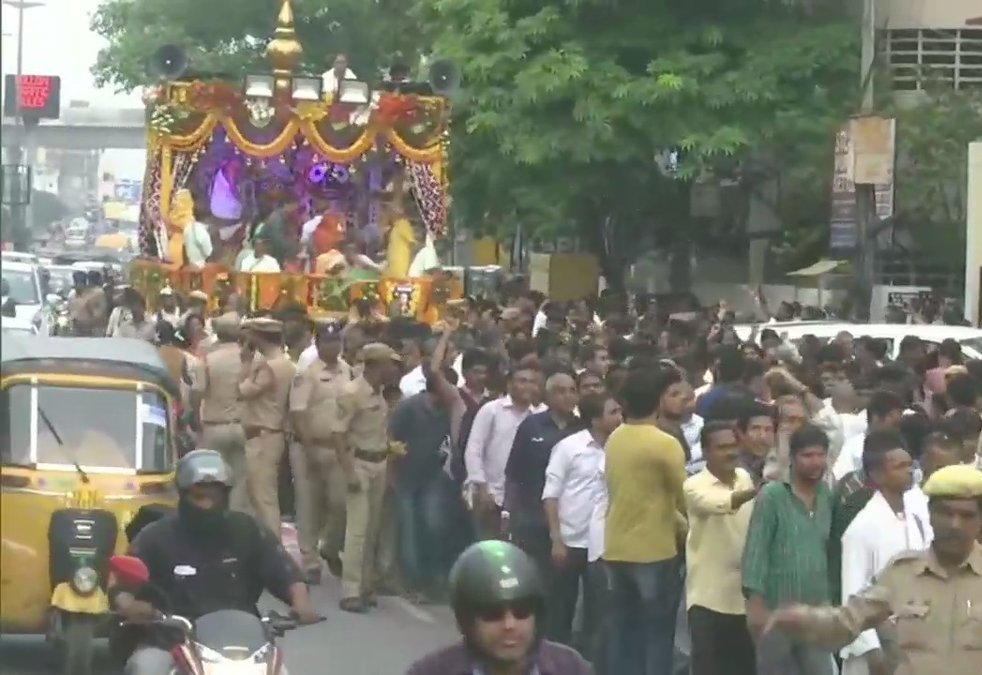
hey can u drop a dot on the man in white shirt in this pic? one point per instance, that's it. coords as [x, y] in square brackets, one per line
[886, 526]
[258, 260]
[414, 381]
[568, 500]
[884, 410]
[489, 446]
[198, 246]
[339, 71]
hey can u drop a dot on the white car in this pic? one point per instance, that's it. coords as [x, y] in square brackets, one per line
[19, 256]
[23, 283]
[970, 339]
[10, 325]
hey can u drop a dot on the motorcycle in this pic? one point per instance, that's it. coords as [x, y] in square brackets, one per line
[230, 642]
[225, 642]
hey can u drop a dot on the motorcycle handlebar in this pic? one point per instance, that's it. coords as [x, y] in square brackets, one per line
[277, 623]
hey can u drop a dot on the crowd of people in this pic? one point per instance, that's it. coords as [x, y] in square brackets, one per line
[666, 480]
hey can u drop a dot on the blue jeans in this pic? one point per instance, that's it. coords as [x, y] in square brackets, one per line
[640, 617]
[422, 533]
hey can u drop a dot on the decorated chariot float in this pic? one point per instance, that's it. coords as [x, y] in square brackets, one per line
[342, 181]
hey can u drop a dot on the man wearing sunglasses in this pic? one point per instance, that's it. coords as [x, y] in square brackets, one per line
[498, 597]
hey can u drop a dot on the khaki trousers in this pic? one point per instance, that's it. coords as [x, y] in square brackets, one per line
[331, 494]
[362, 534]
[305, 497]
[229, 440]
[263, 456]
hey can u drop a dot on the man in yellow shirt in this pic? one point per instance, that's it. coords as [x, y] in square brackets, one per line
[718, 501]
[645, 470]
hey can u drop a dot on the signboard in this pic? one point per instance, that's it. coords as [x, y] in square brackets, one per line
[873, 140]
[39, 96]
[128, 191]
[843, 226]
[904, 297]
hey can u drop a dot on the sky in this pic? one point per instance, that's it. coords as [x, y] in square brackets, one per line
[57, 41]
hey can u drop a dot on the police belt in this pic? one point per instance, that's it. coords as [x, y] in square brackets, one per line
[371, 456]
[255, 432]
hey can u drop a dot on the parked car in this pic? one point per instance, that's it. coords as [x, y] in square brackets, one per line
[970, 339]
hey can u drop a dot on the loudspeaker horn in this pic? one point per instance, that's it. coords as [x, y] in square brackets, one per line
[169, 62]
[444, 77]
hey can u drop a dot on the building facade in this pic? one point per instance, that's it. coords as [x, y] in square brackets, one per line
[931, 42]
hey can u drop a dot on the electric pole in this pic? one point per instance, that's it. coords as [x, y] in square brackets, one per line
[866, 193]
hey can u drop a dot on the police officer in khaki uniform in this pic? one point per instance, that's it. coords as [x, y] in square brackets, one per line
[316, 471]
[215, 395]
[264, 389]
[361, 441]
[932, 598]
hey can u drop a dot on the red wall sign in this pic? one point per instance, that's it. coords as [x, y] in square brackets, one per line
[39, 96]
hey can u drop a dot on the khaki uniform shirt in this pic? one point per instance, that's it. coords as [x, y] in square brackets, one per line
[216, 378]
[315, 395]
[362, 417]
[937, 616]
[266, 391]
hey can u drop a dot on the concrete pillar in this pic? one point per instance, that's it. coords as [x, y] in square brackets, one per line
[973, 232]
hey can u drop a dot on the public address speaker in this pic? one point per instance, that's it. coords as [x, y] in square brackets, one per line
[444, 77]
[168, 63]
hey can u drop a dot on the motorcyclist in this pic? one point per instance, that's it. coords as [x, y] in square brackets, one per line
[498, 599]
[202, 559]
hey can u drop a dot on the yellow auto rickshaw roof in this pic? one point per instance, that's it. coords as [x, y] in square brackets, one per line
[122, 357]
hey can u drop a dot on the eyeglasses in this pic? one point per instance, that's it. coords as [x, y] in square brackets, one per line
[521, 610]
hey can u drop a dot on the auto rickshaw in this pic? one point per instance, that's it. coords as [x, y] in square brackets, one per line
[87, 443]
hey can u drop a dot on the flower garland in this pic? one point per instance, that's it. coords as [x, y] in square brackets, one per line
[166, 118]
[214, 96]
[394, 108]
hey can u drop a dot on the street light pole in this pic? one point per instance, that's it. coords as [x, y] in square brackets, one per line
[24, 144]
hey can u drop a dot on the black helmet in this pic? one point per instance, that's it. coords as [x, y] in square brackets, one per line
[489, 573]
[202, 466]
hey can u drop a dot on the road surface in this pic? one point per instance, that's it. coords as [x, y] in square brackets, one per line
[382, 642]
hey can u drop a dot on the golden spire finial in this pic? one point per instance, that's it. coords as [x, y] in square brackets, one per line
[284, 51]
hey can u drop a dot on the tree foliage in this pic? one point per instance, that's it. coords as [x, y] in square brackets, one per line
[569, 108]
[590, 116]
[229, 36]
[932, 168]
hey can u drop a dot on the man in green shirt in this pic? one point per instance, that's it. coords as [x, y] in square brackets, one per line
[785, 558]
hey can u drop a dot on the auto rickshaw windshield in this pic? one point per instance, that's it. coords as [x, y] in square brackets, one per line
[107, 430]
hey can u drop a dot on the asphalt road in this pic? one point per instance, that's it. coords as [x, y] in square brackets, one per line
[383, 642]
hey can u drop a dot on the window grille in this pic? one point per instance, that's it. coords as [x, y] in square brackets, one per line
[918, 58]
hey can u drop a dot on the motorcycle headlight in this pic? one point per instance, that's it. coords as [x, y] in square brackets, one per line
[85, 580]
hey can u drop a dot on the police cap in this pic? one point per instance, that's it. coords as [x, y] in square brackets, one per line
[960, 481]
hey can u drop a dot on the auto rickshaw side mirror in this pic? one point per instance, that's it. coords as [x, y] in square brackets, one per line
[129, 570]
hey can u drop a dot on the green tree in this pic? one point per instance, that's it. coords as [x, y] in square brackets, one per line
[932, 169]
[229, 36]
[599, 115]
